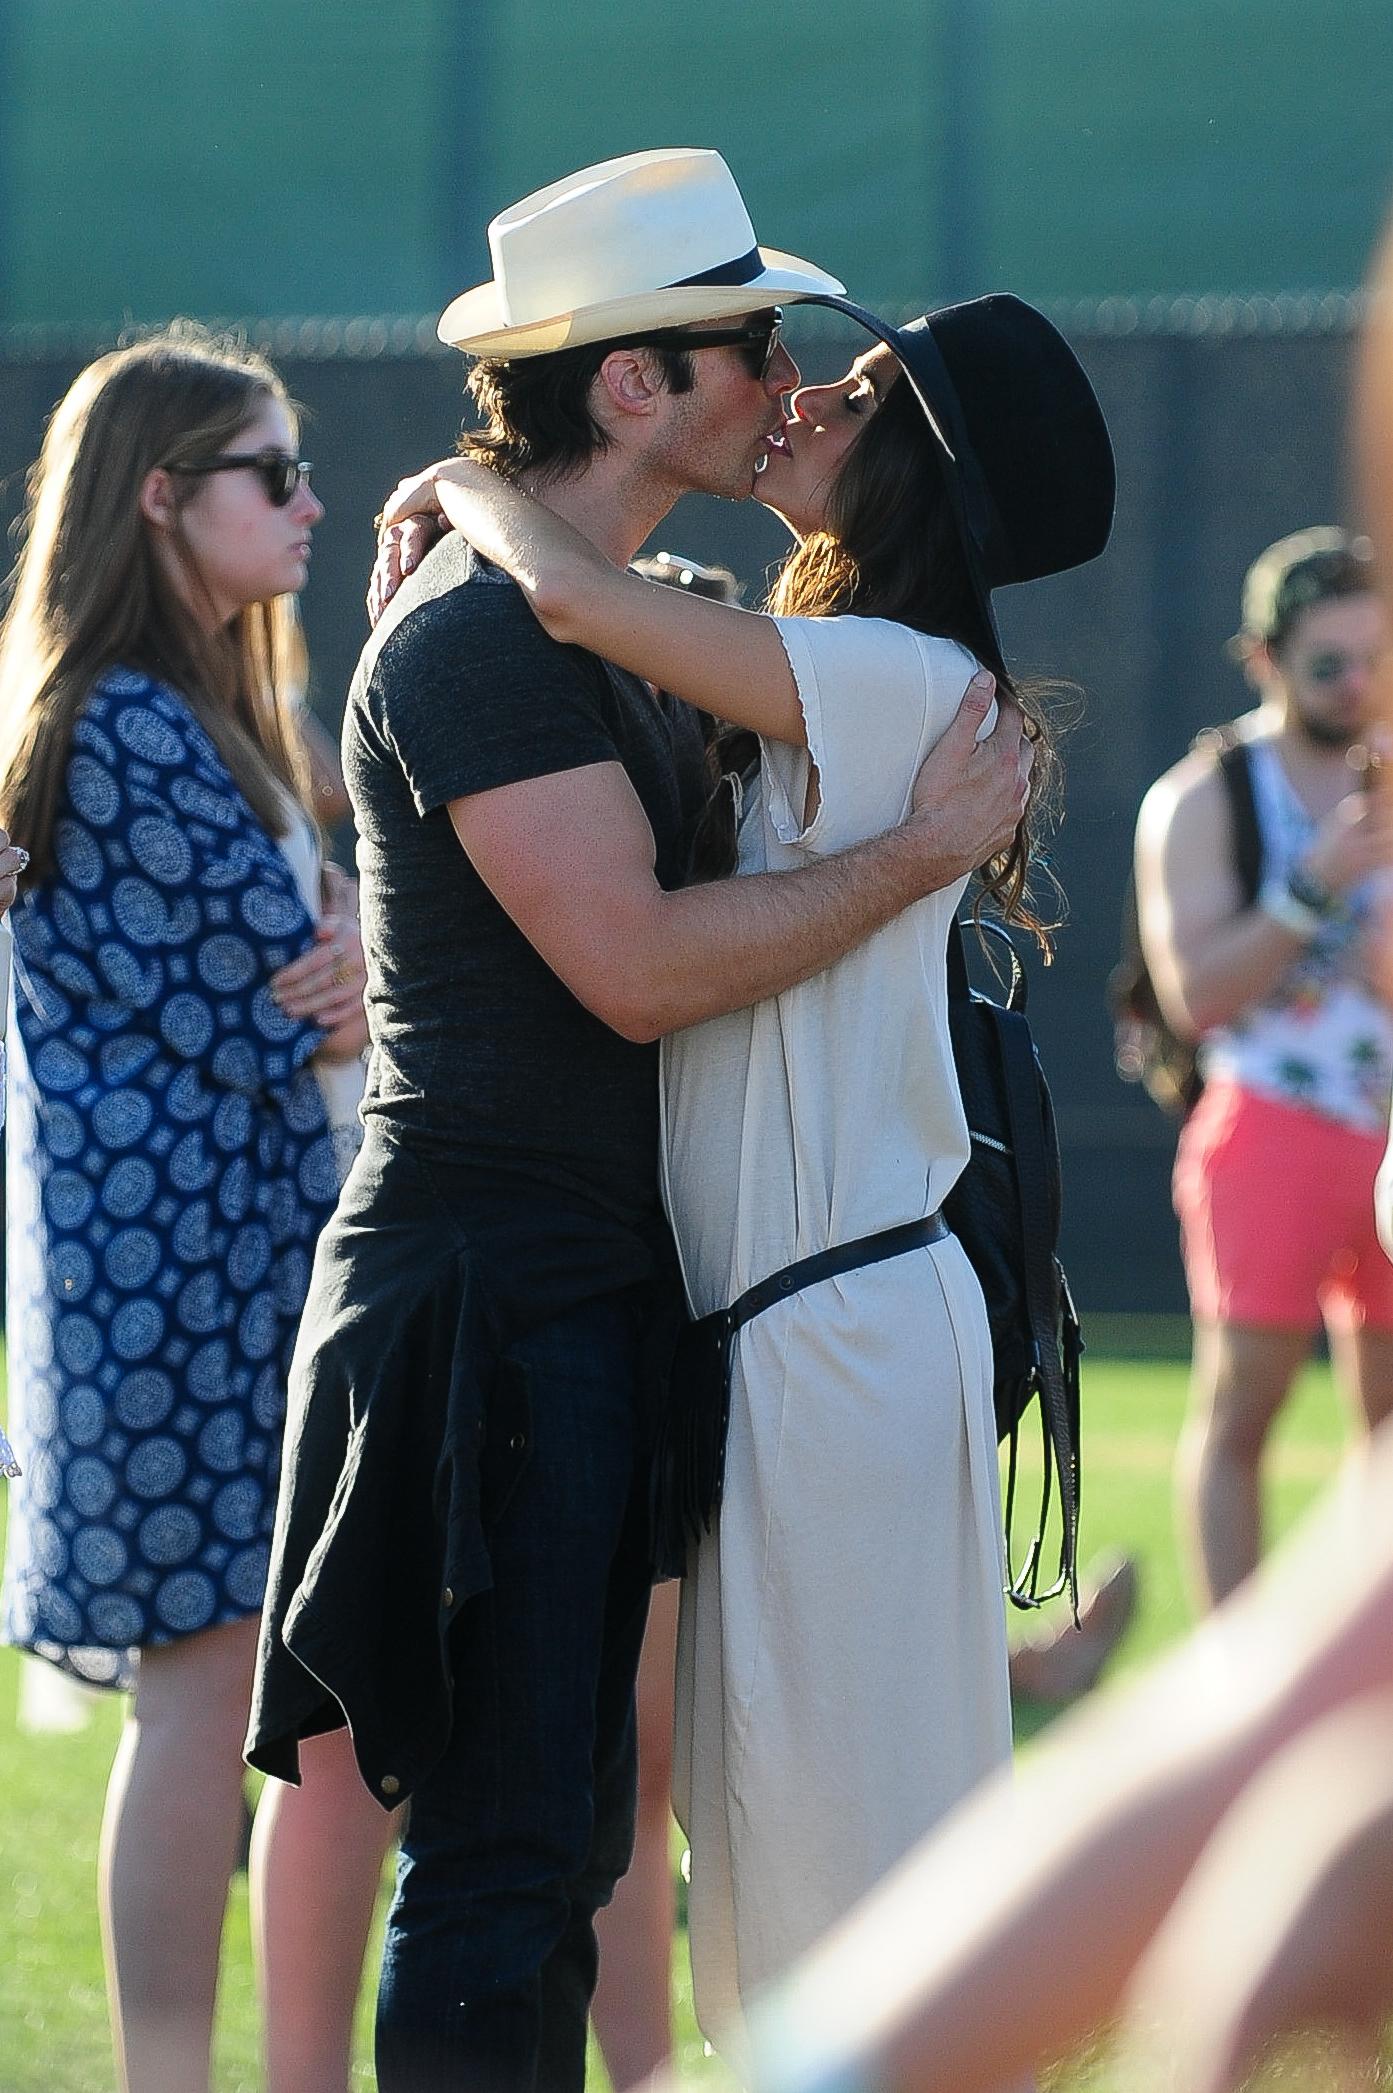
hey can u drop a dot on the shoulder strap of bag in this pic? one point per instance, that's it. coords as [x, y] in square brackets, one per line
[1016, 983]
[1236, 770]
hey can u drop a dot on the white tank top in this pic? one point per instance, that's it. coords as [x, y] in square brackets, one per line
[1321, 1039]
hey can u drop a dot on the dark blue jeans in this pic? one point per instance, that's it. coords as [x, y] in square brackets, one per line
[521, 1832]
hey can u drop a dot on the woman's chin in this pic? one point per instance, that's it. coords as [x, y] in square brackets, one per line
[769, 498]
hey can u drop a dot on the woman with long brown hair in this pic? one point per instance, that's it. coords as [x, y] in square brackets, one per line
[186, 1034]
[842, 1663]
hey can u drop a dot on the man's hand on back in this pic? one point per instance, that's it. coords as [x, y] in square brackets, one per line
[970, 794]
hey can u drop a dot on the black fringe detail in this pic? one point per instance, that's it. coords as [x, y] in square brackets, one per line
[689, 1461]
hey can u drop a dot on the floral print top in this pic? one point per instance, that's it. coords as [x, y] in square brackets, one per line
[1322, 1040]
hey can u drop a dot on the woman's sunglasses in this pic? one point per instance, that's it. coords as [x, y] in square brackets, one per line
[279, 474]
[758, 338]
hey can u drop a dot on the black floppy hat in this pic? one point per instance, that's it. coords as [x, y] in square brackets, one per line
[1026, 457]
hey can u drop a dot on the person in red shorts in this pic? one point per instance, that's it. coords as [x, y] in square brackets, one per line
[1274, 1176]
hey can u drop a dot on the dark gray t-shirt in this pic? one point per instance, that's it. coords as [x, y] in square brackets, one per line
[479, 1052]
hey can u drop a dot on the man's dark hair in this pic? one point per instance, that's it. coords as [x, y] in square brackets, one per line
[535, 410]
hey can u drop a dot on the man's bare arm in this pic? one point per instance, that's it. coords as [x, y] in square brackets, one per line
[570, 857]
[1210, 955]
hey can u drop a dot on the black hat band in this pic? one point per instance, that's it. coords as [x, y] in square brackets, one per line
[744, 269]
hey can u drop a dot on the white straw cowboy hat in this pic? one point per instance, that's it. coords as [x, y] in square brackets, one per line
[658, 239]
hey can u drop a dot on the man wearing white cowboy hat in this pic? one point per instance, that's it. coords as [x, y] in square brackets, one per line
[461, 1564]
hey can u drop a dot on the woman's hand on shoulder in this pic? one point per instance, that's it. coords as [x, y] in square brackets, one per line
[410, 522]
[421, 494]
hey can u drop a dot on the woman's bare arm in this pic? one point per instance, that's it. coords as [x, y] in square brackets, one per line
[728, 661]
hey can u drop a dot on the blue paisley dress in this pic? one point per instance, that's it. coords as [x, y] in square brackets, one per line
[169, 1171]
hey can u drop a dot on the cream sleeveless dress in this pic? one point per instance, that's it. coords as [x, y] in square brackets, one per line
[842, 1655]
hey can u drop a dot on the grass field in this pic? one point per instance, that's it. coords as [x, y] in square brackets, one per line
[53, 2035]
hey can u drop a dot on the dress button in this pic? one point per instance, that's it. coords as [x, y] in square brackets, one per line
[518, 1441]
[389, 1784]
[447, 1597]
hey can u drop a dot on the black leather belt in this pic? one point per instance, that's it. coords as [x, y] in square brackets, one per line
[828, 1264]
[690, 1456]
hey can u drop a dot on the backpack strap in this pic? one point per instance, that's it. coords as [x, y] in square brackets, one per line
[1236, 770]
[1058, 1400]
[1016, 984]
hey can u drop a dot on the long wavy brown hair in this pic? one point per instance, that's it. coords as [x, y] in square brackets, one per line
[890, 549]
[89, 591]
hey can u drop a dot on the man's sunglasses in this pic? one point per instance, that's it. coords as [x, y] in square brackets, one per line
[1333, 666]
[758, 338]
[279, 474]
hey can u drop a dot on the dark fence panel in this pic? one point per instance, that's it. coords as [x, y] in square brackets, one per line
[1228, 423]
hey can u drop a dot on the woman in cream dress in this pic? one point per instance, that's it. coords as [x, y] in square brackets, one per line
[842, 1649]
[842, 1674]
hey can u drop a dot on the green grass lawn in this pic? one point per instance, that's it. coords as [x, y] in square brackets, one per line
[53, 2035]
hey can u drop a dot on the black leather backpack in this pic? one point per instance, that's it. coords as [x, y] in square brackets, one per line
[1005, 1211]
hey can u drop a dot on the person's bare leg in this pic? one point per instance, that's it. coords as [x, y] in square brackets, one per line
[316, 1864]
[1363, 1364]
[169, 1842]
[632, 2006]
[1239, 1379]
